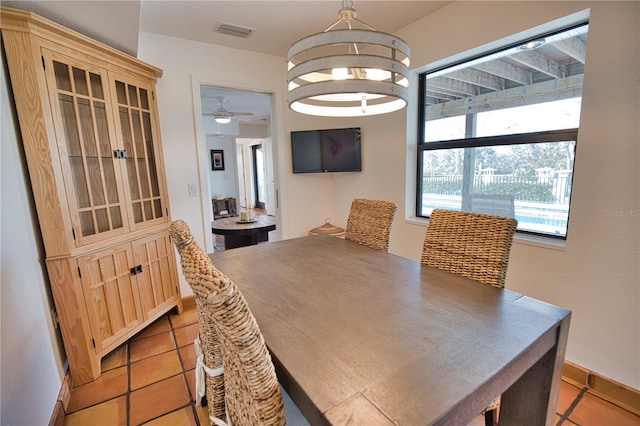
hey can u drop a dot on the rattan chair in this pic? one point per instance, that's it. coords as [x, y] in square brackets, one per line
[209, 371]
[369, 223]
[252, 392]
[473, 245]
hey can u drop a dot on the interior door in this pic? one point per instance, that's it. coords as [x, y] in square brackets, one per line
[269, 177]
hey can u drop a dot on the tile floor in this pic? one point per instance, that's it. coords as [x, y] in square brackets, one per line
[150, 380]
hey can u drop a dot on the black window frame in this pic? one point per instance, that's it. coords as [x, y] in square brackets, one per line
[569, 134]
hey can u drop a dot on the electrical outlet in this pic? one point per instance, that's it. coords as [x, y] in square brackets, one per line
[193, 190]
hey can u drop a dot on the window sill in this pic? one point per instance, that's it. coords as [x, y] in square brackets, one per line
[519, 238]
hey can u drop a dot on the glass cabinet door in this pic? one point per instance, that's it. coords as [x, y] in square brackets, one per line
[135, 111]
[79, 94]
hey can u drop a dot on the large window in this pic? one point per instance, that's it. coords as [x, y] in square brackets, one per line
[498, 133]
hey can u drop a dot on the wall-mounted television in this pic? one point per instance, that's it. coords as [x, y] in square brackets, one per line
[327, 150]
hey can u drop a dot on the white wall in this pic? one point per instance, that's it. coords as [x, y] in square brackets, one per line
[596, 275]
[308, 199]
[223, 182]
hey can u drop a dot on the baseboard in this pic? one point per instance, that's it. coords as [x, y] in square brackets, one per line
[189, 302]
[616, 393]
[60, 409]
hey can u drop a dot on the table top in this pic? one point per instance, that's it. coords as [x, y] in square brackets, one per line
[233, 225]
[360, 335]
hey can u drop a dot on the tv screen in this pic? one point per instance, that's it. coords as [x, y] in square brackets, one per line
[329, 150]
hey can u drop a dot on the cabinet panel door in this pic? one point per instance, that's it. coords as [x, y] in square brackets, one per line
[86, 138]
[110, 293]
[135, 110]
[158, 280]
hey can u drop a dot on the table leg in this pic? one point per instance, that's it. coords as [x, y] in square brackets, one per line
[533, 398]
[235, 241]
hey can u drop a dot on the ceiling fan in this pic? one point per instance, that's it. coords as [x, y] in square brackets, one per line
[223, 116]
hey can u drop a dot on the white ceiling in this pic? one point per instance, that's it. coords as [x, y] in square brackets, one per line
[277, 25]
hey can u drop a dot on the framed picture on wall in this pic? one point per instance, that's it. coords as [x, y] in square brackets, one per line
[217, 159]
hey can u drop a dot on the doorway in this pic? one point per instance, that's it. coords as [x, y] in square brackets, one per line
[256, 174]
[249, 115]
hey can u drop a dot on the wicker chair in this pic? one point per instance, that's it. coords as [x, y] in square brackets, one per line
[252, 392]
[369, 223]
[209, 377]
[473, 245]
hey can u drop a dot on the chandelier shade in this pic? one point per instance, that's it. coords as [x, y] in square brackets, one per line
[348, 72]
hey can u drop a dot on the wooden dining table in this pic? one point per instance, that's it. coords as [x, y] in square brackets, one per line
[365, 337]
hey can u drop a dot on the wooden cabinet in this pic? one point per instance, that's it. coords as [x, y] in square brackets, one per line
[88, 118]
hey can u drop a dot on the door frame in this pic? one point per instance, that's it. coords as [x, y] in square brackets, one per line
[277, 137]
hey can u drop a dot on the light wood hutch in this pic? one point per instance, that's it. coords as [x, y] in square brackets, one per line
[88, 118]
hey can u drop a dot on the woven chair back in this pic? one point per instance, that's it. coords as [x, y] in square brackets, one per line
[473, 245]
[252, 392]
[369, 223]
[208, 335]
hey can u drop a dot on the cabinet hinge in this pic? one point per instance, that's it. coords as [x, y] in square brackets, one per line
[93, 341]
[73, 232]
[79, 273]
[44, 66]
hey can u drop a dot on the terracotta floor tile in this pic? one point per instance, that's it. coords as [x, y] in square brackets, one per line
[568, 394]
[182, 417]
[115, 359]
[109, 385]
[113, 412]
[187, 317]
[161, 325]
[150, 346]
[592, 410]
[157, 399]
[203, 416]
[186, 335]
[154, 369]
[191, 382]
[188, 355]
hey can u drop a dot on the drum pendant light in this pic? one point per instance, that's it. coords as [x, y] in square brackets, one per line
[349, 72]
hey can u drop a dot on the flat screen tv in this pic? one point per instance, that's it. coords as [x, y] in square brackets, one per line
[328, 150]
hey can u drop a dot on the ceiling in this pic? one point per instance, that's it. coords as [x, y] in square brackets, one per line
[277, 25]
